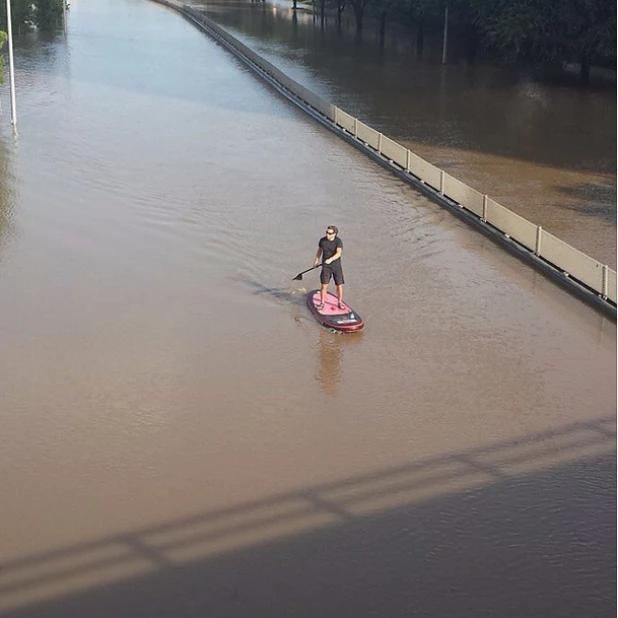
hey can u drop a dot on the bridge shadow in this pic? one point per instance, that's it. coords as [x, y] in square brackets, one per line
[524, 527]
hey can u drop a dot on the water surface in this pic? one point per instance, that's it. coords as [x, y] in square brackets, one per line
[181, 438]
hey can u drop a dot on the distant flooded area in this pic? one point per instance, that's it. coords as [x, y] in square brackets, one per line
[545, 149]
[181, 438]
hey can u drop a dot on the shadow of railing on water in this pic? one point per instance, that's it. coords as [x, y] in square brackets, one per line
[170, 545]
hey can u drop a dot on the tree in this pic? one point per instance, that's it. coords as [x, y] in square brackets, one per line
[21, 15]
[340, 4]
[540, 30]
[3, 39]
[383, 8]
[418, 14]
[586, 31]
[518, 28]
[322, 5]
[461, 14]
[47, 14]
[359, 9]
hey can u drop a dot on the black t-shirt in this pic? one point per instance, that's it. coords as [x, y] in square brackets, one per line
[329, 247]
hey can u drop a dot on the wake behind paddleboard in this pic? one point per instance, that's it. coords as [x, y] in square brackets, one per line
[345, 320]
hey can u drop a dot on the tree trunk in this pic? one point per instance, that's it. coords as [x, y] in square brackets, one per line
[382, 28]
[584, 74]
[358, 13]
[472, 41]
[420, 38]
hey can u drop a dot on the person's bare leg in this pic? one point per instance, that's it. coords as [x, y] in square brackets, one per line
[340, 294]
[323, 293]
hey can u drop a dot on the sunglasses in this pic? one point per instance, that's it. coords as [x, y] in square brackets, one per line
[330, 232]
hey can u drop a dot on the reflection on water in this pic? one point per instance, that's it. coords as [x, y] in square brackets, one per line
[331, 344]
[331, 353]
[6, 191]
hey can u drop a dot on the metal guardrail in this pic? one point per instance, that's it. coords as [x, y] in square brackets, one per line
[577, 271]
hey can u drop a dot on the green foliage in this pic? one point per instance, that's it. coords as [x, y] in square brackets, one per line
[45, 15]
[359, 6]
[534, 31]
[413, 12]
[518, 28]
[588, 27]
[3, 38]
[545, 30]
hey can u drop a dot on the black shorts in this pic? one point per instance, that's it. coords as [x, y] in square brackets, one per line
[329, 271]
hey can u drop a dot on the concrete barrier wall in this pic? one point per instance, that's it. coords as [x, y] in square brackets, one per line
[572, 261]
[368, 135]
[424, 170]
[463, 194]
[547, 250]
[345, 121]
[394, 152]
[510, 223]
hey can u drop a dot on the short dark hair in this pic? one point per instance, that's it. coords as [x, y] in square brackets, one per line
[334, 228]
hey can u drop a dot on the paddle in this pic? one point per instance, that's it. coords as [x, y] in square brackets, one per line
[299, 276]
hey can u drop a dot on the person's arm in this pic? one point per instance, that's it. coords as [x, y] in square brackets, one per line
[338, 253]
[318, 255]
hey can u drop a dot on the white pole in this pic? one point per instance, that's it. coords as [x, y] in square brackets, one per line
[445, 38]
[9, 31]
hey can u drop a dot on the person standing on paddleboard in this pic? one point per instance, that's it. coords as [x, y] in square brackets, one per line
[330, 249]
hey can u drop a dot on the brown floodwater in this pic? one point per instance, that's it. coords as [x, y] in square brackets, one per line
[179, 437]
[545, 149]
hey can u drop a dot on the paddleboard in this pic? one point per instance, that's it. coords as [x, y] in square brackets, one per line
[345, 320]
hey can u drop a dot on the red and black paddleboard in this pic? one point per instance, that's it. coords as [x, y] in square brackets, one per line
[345, 320]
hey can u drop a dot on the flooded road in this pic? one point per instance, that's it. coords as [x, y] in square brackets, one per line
[181, 438]
[545, 150]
